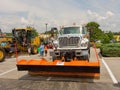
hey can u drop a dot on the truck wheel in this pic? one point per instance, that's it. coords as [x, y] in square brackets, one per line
[2, 54]
[54, 58]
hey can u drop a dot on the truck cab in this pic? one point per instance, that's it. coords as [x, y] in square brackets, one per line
[72, 42]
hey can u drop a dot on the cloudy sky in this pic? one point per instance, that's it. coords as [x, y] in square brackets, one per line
[21, 13]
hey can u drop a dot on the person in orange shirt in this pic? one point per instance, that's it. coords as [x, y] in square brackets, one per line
[46, 49]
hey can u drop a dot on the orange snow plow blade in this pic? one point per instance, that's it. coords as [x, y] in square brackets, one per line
[73, 68]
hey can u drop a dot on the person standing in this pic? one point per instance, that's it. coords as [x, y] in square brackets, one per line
[46, 48]
[39, 51]
[42, 49]
[29, 48]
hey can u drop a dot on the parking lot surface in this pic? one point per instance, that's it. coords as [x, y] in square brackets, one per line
[11, 79]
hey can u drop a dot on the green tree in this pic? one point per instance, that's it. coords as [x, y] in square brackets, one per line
[95, 31]
[110, 35]
[53, 32]
[34, 31]
[97, 34]
[105, 39]
[8, 34]
[116, 33]
[92, 25]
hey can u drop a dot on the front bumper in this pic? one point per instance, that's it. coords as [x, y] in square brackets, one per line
[77, 52]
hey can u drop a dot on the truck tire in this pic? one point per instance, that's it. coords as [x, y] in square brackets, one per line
[2, 54]
[54, 58]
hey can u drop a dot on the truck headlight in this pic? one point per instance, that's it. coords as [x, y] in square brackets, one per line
[84, 44]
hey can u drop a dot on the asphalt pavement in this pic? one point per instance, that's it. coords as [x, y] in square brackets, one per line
[11, 79]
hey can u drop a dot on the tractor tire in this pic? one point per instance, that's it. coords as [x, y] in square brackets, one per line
[34, 50]
[2, 54]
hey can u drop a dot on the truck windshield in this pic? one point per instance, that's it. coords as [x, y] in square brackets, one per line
[71, 30]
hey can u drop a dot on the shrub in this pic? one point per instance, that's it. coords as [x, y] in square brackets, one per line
[98, 45]
[110, 50]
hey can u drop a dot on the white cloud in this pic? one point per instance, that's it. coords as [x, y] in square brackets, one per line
[99, 17]
[23, 20]
[96, 16]
[53, 12]
[12, 6]
[114, 25]
[109, 13]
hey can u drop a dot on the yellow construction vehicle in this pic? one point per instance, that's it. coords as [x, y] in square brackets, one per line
[26, 39]
[23, 40]
[4, 45]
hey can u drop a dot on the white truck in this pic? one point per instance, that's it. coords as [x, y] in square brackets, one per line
[72, 43]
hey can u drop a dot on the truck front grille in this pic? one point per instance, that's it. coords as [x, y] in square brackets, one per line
[71, 41]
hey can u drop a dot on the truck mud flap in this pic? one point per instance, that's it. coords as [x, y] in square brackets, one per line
[73, 68]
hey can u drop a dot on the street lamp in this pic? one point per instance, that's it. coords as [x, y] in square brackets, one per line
[0, 33]
[46, 27]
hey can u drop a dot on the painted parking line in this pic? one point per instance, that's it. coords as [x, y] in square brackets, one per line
[18, 57]
[49, 78]
[112, 58]
[110, 72]
[8, 71]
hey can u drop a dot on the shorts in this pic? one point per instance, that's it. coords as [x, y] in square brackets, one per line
[45, 51]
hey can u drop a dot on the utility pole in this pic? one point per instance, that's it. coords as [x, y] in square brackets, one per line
[46, 29]
[46, 26]
[0, 33]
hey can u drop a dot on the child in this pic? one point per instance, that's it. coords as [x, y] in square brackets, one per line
[46, 48]
[42, 49]
[39, 51]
